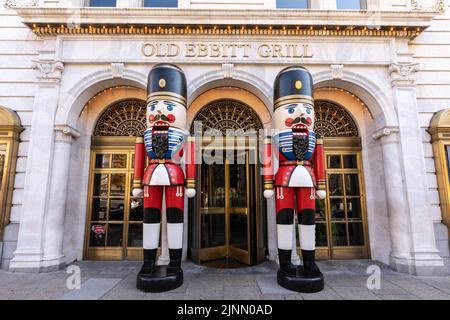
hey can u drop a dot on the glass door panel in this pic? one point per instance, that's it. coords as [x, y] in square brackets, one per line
[225, 210]
[213, 232]
[340, 218]
[238, 207]
[115, 226]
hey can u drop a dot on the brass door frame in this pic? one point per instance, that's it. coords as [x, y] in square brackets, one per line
[342, 146]
[10, 129]
[111, 145]
[199, 254]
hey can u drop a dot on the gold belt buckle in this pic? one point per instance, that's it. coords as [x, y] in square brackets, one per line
[161, 161]
[300, 163]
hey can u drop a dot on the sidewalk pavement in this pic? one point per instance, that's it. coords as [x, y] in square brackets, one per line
[117, 280]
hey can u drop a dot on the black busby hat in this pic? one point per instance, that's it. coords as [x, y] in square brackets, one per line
[293, 85]
[166, 81]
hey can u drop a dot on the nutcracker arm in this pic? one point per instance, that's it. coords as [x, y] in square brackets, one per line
[190, 165]
[319, 165]
[267, 165]
[139, 161]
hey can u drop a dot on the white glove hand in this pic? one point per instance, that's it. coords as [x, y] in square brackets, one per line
[190, 192]
[137, 192]
[321, 194]
[268, 194]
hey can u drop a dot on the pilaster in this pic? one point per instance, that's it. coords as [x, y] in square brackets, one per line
[29, 253]
[413, 243]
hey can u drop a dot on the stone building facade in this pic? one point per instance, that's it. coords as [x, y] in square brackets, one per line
[69, 68]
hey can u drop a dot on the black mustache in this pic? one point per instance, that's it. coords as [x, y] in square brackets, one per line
[161, 117]
[298, 120]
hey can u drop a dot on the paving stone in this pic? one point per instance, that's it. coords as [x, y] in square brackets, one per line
[441, 283]
[268, 285]
[398, 297]
[164, 296]
[343, 280]
[326, 294]
[340, 280]
[93, 289]
[281, 297]
[356, 293]
[242, 293]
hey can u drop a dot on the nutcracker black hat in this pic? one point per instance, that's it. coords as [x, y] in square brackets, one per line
[166, 81]
[293, 85]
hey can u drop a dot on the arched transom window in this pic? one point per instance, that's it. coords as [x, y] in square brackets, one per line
[225, 114]
[124, 118]
[332, 120]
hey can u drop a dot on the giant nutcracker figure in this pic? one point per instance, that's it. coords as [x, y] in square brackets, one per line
[300, 177]
[165, 144]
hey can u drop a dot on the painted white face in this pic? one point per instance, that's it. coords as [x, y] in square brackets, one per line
[164, 113]
[294, 116]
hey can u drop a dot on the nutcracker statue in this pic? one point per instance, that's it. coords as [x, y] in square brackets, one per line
[300, 177]
[165, 144]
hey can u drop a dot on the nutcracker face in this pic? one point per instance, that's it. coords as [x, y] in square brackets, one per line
[162, 114]
[295, 116]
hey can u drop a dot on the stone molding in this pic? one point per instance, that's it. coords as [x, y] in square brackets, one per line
[227, 70]
[403, 74]
[117, 69]
[337, 71]
[48, 70]
[435, 6]
[66, 134]
[385, 132]
[263, 17]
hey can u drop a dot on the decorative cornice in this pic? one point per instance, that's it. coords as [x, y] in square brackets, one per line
[436, 6]
[384, 132]
[20, 3]
[53, 21]
[48, 70]
[403, 74]
[65, 133]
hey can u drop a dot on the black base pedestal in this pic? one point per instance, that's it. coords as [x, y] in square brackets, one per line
[299, 282]
[159, 280]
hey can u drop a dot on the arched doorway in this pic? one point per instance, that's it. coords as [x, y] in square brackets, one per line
[341, 230]
[227, 218]
[114, 226]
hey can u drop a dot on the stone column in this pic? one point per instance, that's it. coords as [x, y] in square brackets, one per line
[56, 208]
[413, 244]
[29, 252]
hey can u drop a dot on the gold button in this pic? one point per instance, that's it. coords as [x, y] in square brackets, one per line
[162, 83]
[298, 85]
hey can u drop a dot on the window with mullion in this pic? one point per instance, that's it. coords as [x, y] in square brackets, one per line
[293, 4]
[160, 3]
[351, 4]
[102, 3]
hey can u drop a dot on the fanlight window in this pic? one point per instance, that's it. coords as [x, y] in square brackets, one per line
[223, 115]
[124, 118]
[332, 120]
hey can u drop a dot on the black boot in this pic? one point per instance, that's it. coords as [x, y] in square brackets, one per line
[149, 261]
[311, 270]
[284, 256]
[175, 261]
